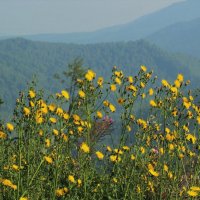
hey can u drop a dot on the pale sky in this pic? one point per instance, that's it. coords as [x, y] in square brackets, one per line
[62, 16]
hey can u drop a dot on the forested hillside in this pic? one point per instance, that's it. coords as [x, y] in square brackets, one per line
[20, 59]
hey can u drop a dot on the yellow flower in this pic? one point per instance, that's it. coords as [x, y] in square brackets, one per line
[15, 167]
[52, 107]
[152, 103]
[59, 111]
[115, 180]
[113, 87]
[79, 182]
[142, 149]
[8, 183]
[154, 173]
[66, 116]
[119, 74]
[99, 114]
[165, 167]
[48, 159]
[100, 81]
[115, 158]
[81, 94]
[106, 103]
[170, 175]
[180, 78]
[142, 84]
[130, 79]
[3, 135]
[90, 75]
[195, 188]
[151, 92]
[143, 68]
[192, 193]
[85, 148]
[171, 147]
[99, 155]
[71, 179]
[53, 120]
[128, 128]
[47, 142]
[165, 83]
[177, 83]
[55, 132]
[118, 81]
[132, 157]
[109, 148]
[191, 138]
[112, 107]
[31, 104]
[10, 127]
[61, 192]
[65, 94]
[23, 198]
[27, 111]
[31, 94]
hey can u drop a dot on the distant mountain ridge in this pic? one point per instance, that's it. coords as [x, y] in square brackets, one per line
[138, 29]
[180, 37]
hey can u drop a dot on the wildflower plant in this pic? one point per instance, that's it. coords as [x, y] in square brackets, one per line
[55, 147]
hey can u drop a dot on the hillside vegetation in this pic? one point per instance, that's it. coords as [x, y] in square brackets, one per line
[21, 59]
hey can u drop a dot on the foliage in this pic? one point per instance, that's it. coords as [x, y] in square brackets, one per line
[49, 153]
[21, 59]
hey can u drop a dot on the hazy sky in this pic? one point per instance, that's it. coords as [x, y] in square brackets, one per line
[61, 16]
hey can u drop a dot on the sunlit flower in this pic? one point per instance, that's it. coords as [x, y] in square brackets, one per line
[192, 193]
[65, 94]
[85, 148]
[152, 103]
[31, 94]
[143, 68]
[130, 79]
[99, 114]
[9, 183]
[48, 159]
[27, 111]
[3, 135]
[191, 138]
[115, 158]
[113, 87]
[165, 83]
[151, 92]
[180, 78]
[154, 173]
[71, 179]
[53, 120]
[99, 155]
[100, 81]
[10, 127]
[90, 75]
[118, 81]
[112, 108]
[47, 142]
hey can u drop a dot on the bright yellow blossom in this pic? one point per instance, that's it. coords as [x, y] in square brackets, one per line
[81, 94]
[65, 94]
[10, 127]
[99, 155]
[85, 148]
